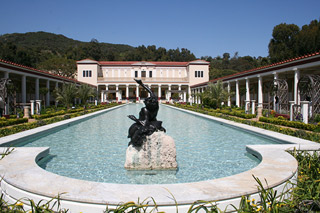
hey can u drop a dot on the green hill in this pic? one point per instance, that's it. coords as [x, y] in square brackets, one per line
[58, 54]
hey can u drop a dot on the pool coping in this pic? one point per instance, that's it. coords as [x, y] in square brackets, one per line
[22, 177]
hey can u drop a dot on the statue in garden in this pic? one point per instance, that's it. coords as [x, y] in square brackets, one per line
[147, 122]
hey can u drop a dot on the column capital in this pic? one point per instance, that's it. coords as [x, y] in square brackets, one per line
[159, 85]
[295, 69]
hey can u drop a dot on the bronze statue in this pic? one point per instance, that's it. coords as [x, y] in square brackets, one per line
[147, 122]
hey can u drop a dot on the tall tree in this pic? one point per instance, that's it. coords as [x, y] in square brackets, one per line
[282, 44]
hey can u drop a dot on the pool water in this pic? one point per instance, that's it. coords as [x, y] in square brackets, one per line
[95, 149]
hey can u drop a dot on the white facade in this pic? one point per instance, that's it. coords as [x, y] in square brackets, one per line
[168, 80]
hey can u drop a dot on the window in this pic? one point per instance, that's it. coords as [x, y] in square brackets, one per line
[143, 74]
[150, 74]
[87, 73]
[196, 74]
[201, 74]
[136, 74]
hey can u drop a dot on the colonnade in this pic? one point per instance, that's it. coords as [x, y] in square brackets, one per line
[248, 99]
[135, 90]
[25, 79]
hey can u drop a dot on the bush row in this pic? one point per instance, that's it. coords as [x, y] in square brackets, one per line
[294, 124]
[288, 131]
[12, 121]
[50, 114]
[26, 126]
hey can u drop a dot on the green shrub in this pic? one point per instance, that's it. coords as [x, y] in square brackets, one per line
[284, 122]
[9, 122]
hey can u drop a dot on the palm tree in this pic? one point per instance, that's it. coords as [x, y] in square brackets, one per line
[66, 94]
[84, 93]
[215, 94]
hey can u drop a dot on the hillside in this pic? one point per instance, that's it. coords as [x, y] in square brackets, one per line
[58, 54]
[53, 42]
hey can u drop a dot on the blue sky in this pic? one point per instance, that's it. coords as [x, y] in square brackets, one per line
[205, 27]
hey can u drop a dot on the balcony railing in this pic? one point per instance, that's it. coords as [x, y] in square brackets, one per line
[126, 79]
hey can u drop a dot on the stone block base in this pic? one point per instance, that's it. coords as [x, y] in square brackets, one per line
[158, 152]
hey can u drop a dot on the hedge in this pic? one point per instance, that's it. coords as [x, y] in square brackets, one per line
[288, 131]
[26, 126]
[13, 121]
[294, 124]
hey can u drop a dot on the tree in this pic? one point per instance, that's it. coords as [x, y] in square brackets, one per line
[84, 93]
[215, 94]
[60, 66]
[282, 44]
[66, 94]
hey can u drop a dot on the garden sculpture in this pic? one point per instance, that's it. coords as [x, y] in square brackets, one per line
[147, 122]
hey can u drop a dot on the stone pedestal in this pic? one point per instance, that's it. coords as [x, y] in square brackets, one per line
[26, 110]
[158, 152]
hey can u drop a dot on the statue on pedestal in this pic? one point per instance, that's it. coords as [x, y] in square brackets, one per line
[150, 148]
[147, 122]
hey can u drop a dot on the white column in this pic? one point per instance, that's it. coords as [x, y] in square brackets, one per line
[229, 98]
[305, 111]
[184, 96]
[190, 96]
[260, 94]
[102, 96]
[291, 110]
[169, 92]
[6, 110]
[23, 89]
[253, 107]
[127, 92]
[180, 94]
[247, 95]
[48, 93]
[32, 102]
[159, 92]
[137, 92]
[275, 77]
[149, 85]
[117, 93]
[295, 85]
[237, 94]
[37, 89]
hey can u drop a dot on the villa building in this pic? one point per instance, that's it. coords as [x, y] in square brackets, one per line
[168, 80]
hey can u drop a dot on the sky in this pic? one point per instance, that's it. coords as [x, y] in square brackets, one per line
[205, 27]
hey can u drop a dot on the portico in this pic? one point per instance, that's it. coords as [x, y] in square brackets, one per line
[274, 87]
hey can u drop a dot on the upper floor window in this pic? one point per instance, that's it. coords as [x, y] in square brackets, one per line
[136, 74]
[86, 73]
[143, 74]
[150, 74]
[198, 74]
